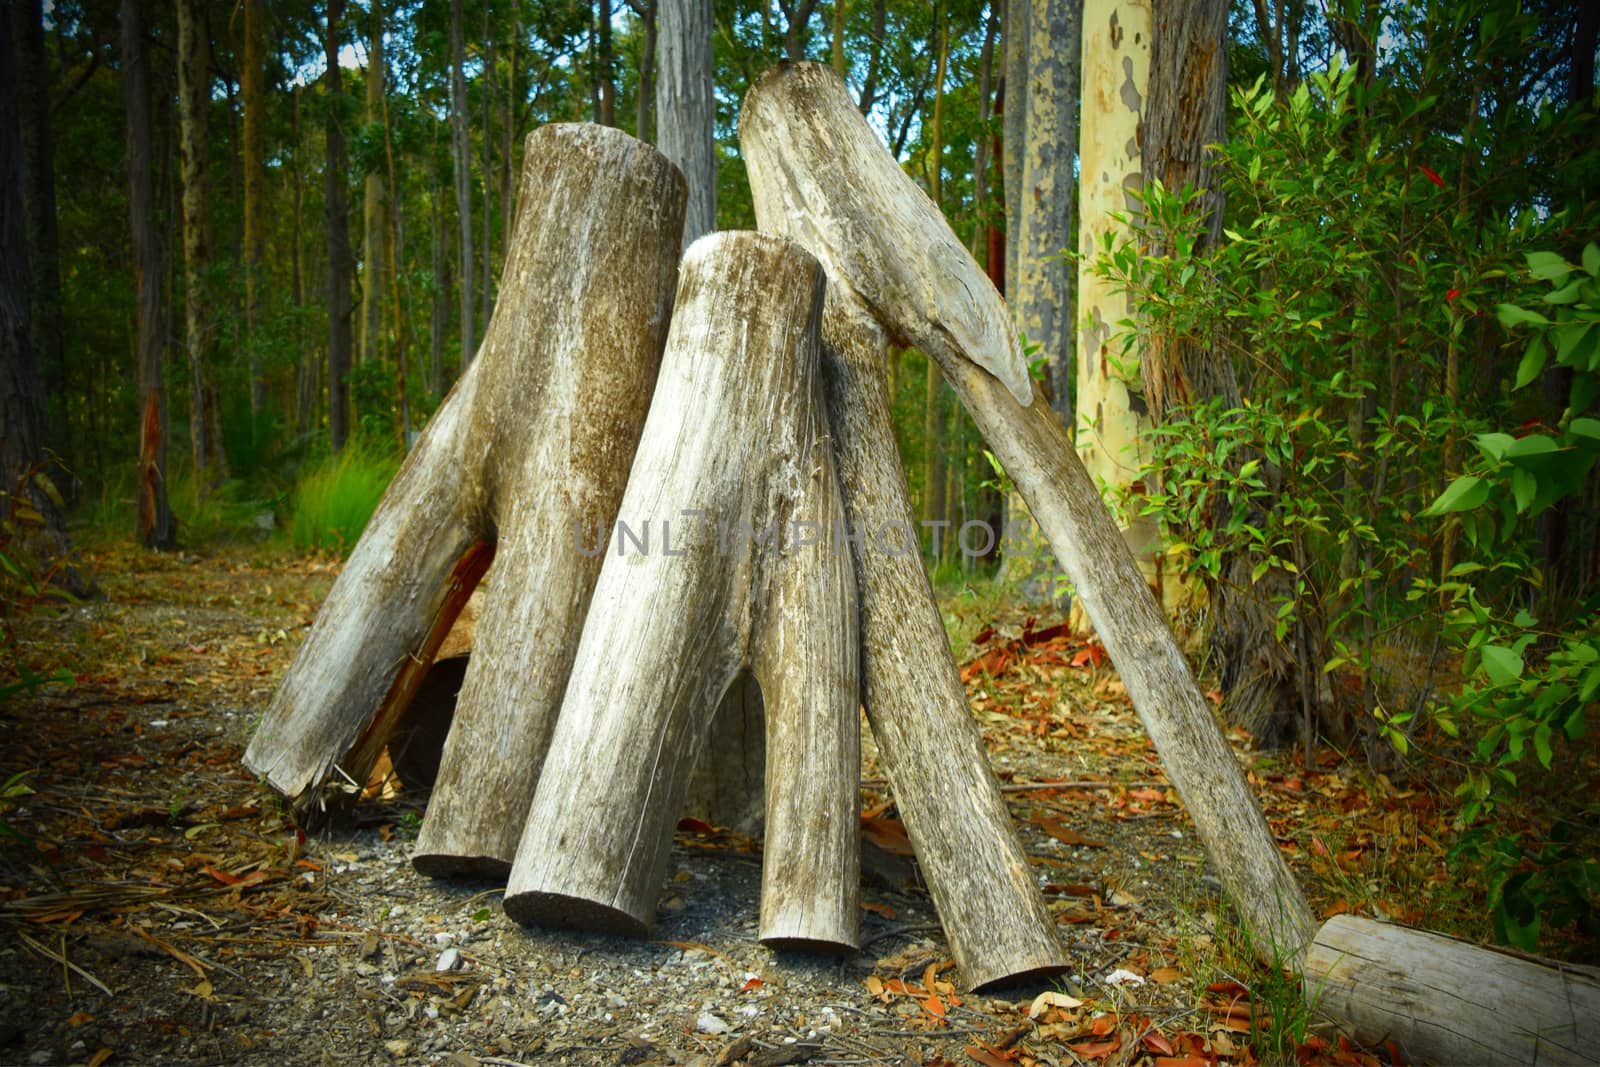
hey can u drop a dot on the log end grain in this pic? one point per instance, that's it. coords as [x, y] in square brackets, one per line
[572, 913]
[461, 866]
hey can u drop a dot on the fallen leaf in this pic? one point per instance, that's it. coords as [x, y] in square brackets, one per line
[100, 1056]
[1096, 1050]
[79, 1018]
[878, 909]
[1051, 999]
[1166, 975]
[751, 983]
[989, 1056]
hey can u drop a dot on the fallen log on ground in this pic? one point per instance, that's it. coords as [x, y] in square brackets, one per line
[1443, 1000]
[826, 180]
[538, 434]
[725, 565]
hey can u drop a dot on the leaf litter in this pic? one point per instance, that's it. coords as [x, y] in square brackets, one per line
[158, 905]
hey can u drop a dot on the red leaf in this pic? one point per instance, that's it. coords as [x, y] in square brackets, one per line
[1451, 295]
[1432, 176]
[1156, 1042]
[1096, 1050]
[753, 983]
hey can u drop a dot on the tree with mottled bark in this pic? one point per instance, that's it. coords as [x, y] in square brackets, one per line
[686, 108]
[834, 188]
[1265, 687]
[1112, 418]
[337, 217]
[156, 526]
[199, 314]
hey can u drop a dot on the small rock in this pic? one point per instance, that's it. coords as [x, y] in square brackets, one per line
[710, 1024]
[397, 1048]
[448, 960]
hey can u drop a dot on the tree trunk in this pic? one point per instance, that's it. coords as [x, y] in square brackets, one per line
[738, 438]
[22, 453]
[461, 153]
[33, 79]
[253, 88]
[646, 102]
[1185, 114]
[535, 438]
[194, 94]
[1443, 1000]
[439, 269]
[604, 63]
[827, 180]
[369, 347]
[935, 505]
[156, 526]
[340, 263]
[1113, 421]
[686, 108]
[998, 926]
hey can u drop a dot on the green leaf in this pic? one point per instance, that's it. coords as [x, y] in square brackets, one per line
[1467, 492]
[1532, 364]
[1591, 259]
[1585, 427]
[1512, 315]
[1494, 445]
[1541, 744]
[1524, 487]
[1548, 266]
[1501, 664]
[1535, 444]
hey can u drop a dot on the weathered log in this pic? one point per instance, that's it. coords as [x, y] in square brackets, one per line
[823, 177]
[736, 439]
[996, 921]
[1444, 1000]
[538, 432]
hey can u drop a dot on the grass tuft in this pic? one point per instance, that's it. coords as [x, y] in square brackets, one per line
[336, 496]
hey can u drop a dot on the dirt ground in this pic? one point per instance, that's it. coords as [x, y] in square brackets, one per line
[158, 906]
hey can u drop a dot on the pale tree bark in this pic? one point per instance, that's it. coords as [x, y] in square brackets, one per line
[156, 526]
[374, 259]
[536, 436]
[22, 451]
[935, 508]
[194, 93]
[686, 108]
[461, 154]
[880, 238]
[337, 217]
[1265, 688]
[253, 88]
[745, 576]
[1113, 421]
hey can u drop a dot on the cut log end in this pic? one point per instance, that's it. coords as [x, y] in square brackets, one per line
[463, 867]
[573, 913]
[1009, 979]
[810, 946]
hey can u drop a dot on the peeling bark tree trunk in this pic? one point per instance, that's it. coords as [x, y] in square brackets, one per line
[824, 172]
[736, 443]
[998, 926]
[1443, 1000]
[537, 435]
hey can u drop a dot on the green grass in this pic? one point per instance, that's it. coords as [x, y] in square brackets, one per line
[336, 496]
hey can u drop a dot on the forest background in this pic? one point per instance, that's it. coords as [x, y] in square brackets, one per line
[259, 241]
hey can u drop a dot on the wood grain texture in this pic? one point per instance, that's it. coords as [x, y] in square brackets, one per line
[828, 182]
[1443, 1000]
[733, 460]
[993, 915]
[539, 432]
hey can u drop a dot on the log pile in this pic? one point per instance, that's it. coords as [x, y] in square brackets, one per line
[711, 535]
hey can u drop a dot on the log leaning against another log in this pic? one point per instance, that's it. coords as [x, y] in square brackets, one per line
[727, 564]
[1443, 1000]
[826, 180]
[538, 432]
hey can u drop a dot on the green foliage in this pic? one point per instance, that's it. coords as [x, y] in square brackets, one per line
[1530, 684]
[335, 497]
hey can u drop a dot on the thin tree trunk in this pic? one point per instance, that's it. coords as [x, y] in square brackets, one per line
[604, 64]
[305, 362]
[33, 79]
[934, 504]
[823, 176]
[646, 103]
[374, 201]
[461, 152]
[508, 135]
[156, 527]
[22, 449]
[254, 91]
[839, 15]
[400, 341]
[340, 264]
[438, 267]
[869, 84]
[486, 283]
[194, 95]
[686, 108]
